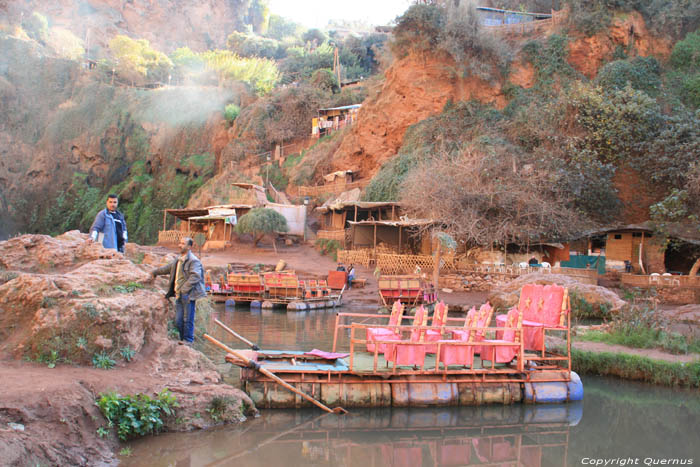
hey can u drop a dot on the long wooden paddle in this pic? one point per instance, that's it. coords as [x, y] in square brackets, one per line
[272, 376]
[236, 335]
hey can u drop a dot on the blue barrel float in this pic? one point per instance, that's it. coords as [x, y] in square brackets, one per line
[554, 392]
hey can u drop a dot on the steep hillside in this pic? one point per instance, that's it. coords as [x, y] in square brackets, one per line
[69, 139]
[167, 24]
[600, 127]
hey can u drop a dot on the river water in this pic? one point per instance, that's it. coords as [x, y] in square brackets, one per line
[625, 423]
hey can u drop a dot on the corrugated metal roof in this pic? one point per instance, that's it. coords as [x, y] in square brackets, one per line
[344, 107]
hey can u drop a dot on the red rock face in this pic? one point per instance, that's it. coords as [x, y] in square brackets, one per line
[588, 54]
[416, 87]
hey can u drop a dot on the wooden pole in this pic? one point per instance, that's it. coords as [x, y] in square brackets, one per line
[436, 269]
[375, 239]
[236, 335]
[164, 214]
[399, 237]
[274, 377]
[355, 213]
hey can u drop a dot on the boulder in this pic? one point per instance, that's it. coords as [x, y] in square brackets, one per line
[508, 294]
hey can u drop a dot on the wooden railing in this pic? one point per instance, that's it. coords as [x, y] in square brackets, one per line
[634, 280]
[166, 237]
[558, 17]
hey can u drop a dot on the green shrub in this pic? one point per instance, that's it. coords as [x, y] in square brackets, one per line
[37, 27]
[325, 80]
[581, 309]
[231, 111]
[685, 55]
[328, 247]
[549, 57]
[641, 73]
[616, 122]
[136, 415]
[220, 409]
[103, 361]
[418, 29]
[127, 353]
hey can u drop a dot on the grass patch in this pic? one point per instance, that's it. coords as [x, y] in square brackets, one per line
[646, 339]
[636, 368]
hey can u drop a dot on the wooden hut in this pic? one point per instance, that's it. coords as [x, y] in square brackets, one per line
[333, 118]
[335, 217]
[215, 222]
[402, 236]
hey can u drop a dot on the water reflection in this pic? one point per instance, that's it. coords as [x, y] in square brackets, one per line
[512, 435]
[617, 419]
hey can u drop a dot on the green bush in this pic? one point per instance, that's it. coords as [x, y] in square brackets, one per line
[231, 111]
[641, 73]
[136, 415]
[685, 55]
[616, 122]
[328, 247]
[37, 27]
[325, 80]
[418, 29]
[581, 309]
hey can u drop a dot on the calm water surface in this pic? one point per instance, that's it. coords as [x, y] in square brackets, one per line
[616, 420]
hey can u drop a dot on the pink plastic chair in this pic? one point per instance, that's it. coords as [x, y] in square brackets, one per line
[454, 352]
[411, 352]
[478, 328]
[541, 306]
[512, 335]
[439, 320]
[384, 334]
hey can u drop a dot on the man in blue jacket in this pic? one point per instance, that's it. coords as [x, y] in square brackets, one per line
[186, 285]
[109, 227]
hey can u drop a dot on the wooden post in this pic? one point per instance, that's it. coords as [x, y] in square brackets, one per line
[375, 240]
[641, 246]
[392, 213]
[188, 226]
[164, 214]
[355, 213]
[399, 236]
[436, 269]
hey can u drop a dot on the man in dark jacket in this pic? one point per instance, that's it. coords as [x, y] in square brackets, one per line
[187, 286]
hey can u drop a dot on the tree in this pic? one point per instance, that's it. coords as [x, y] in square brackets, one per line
[137, 60]
[37, 27]
[260, 222]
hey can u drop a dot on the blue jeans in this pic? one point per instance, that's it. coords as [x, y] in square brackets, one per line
[185, 324]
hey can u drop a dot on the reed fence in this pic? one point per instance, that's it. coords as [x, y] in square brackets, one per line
[172, 236]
